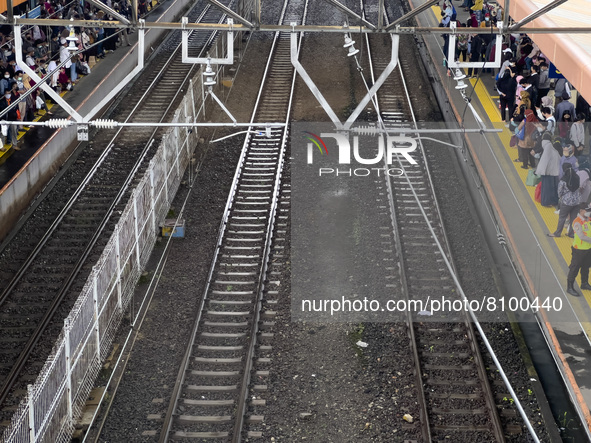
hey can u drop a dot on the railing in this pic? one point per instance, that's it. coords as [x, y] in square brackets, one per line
[52, 405]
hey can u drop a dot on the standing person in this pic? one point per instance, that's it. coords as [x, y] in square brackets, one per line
[506, 87]
[548, 170]
[560, 87]
[10, 116]
[565, 106]
[568, 157]
[507, 61]
[523, 143]
[65, 56]
[585, 184]
[569, 194]
[534, 81]
[549, 116]
[18, 89]
[475, 53]
[581, 252]
[477, 8]
[543, 84]
[582, 107]
[577, 134]
[564, 125]
[462, 47]
[53, 72]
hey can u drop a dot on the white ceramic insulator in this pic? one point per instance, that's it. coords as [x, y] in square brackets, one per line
[58, 123]
[104, 123]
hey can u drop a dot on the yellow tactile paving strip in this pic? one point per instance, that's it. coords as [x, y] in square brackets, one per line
[550, 218]
[21, 133]
[491, 107]
[39, 115]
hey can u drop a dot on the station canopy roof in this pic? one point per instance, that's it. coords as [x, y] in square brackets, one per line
[570, 53]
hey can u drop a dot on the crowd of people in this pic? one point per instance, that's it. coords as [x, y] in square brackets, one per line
[548, 130]
[44, 48]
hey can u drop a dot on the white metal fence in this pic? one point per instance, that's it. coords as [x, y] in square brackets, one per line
[54, 402]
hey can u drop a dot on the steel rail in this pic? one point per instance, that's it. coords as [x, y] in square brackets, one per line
[93, 433]
[240, 412]
[423, 411]
[489, 397]
[62, 292]
[177, 390]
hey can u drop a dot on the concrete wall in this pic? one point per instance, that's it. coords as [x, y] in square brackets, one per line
[17, 194]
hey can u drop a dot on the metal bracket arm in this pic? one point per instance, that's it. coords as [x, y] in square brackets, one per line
[58, 99]
[110, 11]
[228, 60]
[18, 49]
[351, 14]
[231, 13]
[411, 14]
[219, 102]
[536, 14]
[140, 65]
[379, 82]
[451, 51]
[309, 82]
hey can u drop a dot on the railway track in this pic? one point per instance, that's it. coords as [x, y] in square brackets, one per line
[455, 397]
[229, 340]
[43, 275]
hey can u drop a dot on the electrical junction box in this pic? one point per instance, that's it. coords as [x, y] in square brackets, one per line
[173, 228]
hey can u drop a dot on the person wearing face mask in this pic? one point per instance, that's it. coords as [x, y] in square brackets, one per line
[5, 83]
[581, 252]
[11, 115]
[477, 8]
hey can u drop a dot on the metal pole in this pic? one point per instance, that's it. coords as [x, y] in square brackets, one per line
[351, 14]
[152, 197]
[506, 14]
[110, 11]
[30, 392]
[231, 13]
[10, 14]
[136, 230]
[118, 264]
[411, 14]
[380, 15]
[536, 14]
[309, 82]
[96, 312]
[68, 353]
[134, 12]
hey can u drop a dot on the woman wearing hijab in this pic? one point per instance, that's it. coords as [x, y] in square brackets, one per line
[548, 170]
[570, 197]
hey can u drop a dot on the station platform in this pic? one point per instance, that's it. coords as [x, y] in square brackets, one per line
[541, 262]
[32, 139]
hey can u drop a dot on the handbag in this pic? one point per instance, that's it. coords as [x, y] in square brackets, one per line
[513, 141]
[532, 178]
[38, 102]
[538, 193]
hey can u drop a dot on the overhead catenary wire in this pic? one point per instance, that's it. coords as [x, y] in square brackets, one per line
[454, 276]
